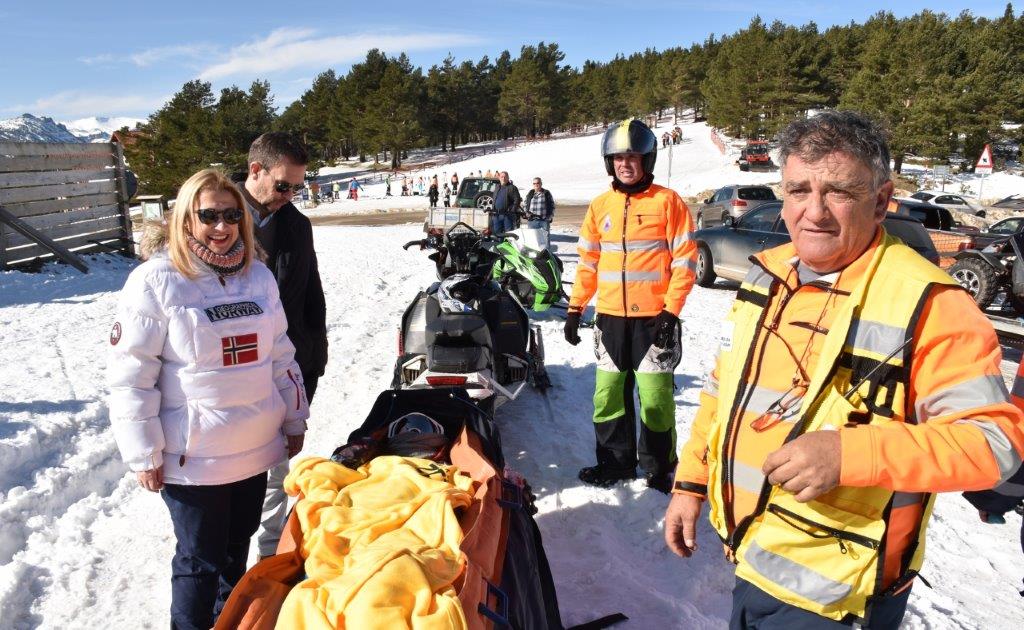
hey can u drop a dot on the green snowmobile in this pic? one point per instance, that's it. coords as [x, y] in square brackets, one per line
[529, 269]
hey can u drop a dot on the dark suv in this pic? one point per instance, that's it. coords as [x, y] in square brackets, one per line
[734, 201]
[477, 192]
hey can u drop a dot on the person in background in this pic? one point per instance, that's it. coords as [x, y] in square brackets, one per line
[447, 196]
[353, 189]
[387, 185]
[314, 192]
[506, 205]
[336, 190]
[277, 164]
[433, 192]
[455, 183]
[205, 394]
[539, 206]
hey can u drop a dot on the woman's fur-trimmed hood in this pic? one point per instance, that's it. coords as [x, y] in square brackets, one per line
[154, 239]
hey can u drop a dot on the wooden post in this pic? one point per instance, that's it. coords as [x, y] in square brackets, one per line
[31, 233]
[3, 248]
[123, 201]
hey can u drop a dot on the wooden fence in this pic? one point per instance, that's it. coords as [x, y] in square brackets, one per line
[75, 195]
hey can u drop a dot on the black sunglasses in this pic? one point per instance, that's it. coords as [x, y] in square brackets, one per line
[285, 187]
[208, 216]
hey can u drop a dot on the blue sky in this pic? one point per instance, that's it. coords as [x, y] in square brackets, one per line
[74, 59]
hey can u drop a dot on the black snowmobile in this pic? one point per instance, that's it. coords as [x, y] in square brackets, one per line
[467, 330]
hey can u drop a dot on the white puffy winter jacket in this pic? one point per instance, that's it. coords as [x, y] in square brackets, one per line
[201, 374]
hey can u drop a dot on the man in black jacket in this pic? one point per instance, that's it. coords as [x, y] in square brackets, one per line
[506, 204]
[277, 169]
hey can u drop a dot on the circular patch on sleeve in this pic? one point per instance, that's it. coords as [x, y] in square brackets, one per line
[115, 333]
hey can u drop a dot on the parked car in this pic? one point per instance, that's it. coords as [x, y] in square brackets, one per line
[477, 192]
[1013, 202]
[949, 201]
[734, 200]
[948, 235]
[998, 231]
[726, 250]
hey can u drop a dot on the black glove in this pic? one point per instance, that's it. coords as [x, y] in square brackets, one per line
[572, 326]
[665, 329]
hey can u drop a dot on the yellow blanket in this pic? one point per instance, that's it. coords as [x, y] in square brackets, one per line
[381, 545]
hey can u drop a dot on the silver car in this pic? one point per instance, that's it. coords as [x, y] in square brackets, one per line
[726, 250]
[731, 201]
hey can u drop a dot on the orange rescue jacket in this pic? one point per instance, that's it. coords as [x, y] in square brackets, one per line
[637, 253]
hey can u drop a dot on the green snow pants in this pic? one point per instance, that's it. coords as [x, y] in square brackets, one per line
[628, 358]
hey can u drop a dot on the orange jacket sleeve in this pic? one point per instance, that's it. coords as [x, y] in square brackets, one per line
[967, 435]
[692, 470]
[679, 226]
[589, 248]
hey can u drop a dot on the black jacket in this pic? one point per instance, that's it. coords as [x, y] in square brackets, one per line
[512, 198]
[549, 200]
[293, 262]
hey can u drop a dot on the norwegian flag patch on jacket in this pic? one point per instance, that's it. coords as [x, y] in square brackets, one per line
[240, 349]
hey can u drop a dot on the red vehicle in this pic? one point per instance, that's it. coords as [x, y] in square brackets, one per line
[755, 156]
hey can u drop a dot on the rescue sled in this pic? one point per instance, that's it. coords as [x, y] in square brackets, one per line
[505, 582]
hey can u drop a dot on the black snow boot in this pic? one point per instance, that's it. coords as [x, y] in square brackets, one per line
[605, 476]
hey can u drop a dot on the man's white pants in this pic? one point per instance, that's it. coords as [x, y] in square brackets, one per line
[275, 511]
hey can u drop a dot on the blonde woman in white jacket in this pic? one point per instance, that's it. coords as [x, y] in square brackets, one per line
[205, 395]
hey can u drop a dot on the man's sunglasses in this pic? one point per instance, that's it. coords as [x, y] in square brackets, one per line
[208, 216]
[283, 187]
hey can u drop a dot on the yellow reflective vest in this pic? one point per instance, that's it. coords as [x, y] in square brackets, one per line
[827, 555]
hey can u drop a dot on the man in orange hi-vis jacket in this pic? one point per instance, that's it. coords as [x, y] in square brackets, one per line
[637, 255]
[854, 380]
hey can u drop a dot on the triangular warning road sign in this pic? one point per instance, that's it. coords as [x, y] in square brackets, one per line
[984, 165]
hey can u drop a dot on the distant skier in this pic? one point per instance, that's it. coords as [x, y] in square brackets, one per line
[353, 189]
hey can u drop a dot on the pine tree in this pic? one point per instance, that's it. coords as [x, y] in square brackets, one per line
[176, 141]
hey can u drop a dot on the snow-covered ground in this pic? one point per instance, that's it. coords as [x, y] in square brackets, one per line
[571, 169]
[83, 546]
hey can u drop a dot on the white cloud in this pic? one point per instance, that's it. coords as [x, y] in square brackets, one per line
[98, 59]
[290, 48]
[77, 104]
[154, 55]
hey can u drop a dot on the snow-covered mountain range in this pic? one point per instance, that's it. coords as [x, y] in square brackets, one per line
[29, 128]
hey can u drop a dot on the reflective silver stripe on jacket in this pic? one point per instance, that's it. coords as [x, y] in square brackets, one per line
[589, 246]
[747, 477]
[631, 276]
[1007, 458]
[982, 391]
[678, 241]
[795, 577]
[903, 499]
[635, 246]
[758, 277]
[589, 266]
[685, 262]
[875, 337]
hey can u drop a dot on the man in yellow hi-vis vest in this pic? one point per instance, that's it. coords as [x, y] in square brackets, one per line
[854, 380]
